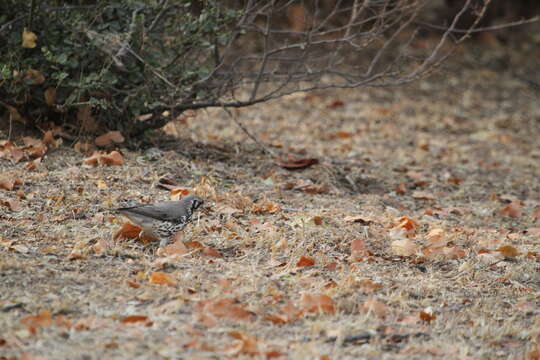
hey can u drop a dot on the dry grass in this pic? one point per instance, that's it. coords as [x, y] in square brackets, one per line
[450, 153]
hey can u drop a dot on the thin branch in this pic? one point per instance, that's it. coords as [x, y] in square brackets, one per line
[481, 29]
[247, 132]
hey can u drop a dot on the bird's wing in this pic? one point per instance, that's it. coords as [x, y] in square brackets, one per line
[165, 211]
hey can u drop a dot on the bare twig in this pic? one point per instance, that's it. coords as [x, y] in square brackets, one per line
[248, 133]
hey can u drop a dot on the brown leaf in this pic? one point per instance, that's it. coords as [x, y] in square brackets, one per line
[162, 279]
[49, 140]
[318, 220]
[136, 319]
[176, 248]
[208, 251]
[127, 231]
[84, 148]
[361, 219]
[404, 247]
[298, 17]
[305, 261]
[226, 308]
[436, 237]
[359, 251]
[401, 189]
[84, 117]
[10, 183]
[536, 213]
[266, 207]
[367, 286]
[275, 319]
[508, 251]
[513, 209]
[335, 104]
[292, 163]
[28, 39]
[33, 164]
[34, 76]
[427, 317]
[110, 138]
[317, 303]
[376, 307]
[246, 345]
[50, 96]
[12, 204]
[42, 319]
[113, 158]
[449, 252]
[134, 284]
[423, 195]
[407, 224]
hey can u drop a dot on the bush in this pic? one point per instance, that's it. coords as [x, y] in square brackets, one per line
[106, 63]
[133, 65]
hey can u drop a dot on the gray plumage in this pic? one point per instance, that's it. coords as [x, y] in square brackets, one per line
[163, 220]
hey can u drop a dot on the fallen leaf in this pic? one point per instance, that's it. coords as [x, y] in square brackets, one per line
[404, 247]
[361, 219]
[98, 158]
[176, 248]
[423, 195]
[374, 306]
[162, 278]
[427, 317]
[10, 183]
[305, 261]
[508, 251]
[212, 310]
[359, 251]
[514, 209]
[28, 39]
[247, 344]
[110, 138]
[298, 17]
[33, 164]
[368, 286]
[127, 231]
[136, 319]
[85, 119]
[401, 189]
[436, 237]
[208, 251]
[12, 204]
[42, 319]
[317, 303]
[134, 284]
[335, 104]
[449, 252]
[292, 163]
[407, 224]
[84, 148]
[113, 158]
[177, 193]
[275, 319]
[50, 96]
[35, 76]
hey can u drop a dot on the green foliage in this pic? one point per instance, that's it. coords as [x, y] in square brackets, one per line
[123, 58]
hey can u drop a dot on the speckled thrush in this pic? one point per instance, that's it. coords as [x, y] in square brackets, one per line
[164, 219]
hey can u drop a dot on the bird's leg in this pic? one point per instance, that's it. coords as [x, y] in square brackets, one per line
[164, 241]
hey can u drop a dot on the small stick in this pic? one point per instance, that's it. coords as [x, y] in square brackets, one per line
[249, 134]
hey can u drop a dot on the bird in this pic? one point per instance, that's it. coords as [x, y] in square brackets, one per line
[162, 220]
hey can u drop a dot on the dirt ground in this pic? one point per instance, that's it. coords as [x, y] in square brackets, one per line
[415, 236]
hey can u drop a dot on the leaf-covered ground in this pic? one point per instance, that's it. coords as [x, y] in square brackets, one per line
[416, 235]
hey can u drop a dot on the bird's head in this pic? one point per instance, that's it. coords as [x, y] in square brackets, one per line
[194, 202]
